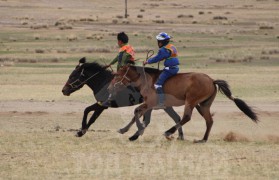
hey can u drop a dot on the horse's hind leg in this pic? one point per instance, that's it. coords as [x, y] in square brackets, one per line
[204, 110]
[186, 117]
[170, 111]
[147, 117]
[209, 122]
[198, 107]
[139, 111]
[146, 120]
[127, 127]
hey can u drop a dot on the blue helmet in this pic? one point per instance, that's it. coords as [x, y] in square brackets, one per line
[162, 36]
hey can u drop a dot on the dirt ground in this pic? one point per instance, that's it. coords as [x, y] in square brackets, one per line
[227, 118]
[37, 140]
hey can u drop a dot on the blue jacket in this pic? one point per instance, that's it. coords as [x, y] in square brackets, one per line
[164, 54]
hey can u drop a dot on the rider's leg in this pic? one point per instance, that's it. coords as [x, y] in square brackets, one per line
[159, 87]
[106, 103]
[160, 95]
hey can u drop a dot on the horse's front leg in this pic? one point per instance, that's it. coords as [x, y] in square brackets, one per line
[170, 111]
[139, 111]
[127, 127]
[146, 120]
[98, 110]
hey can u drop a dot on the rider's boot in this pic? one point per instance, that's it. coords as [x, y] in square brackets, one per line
[161, 98]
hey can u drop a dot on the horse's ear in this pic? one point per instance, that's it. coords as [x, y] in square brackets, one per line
[82, 61]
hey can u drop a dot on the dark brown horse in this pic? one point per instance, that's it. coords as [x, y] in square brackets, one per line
[188, 89]
[96, 77]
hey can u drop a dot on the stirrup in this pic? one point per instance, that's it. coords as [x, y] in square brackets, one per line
[105, 104]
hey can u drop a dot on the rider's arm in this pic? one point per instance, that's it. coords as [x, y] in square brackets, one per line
[126, 58]
[114, 60]
[163, 53]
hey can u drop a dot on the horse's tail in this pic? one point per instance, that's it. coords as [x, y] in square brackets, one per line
[225, 89]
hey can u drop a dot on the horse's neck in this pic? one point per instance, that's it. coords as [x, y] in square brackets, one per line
[146, 80]
[100, 85]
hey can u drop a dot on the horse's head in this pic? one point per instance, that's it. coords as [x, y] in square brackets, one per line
[84, 73]
[124, 77]
[76, 78]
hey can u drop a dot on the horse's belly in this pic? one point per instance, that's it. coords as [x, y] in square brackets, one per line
[174, 101]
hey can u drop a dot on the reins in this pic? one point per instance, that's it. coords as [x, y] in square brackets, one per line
[123, 77]
[108, 66]
[82, 82]
[148, 55]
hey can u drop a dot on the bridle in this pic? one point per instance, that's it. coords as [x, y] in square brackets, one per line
[125, 77]
[148, 55]
[77, 83]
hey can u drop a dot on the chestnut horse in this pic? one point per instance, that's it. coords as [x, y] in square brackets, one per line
[188, 89]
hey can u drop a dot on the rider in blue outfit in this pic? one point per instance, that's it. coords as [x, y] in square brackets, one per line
[168, 53]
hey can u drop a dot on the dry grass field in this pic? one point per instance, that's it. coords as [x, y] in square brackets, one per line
[42, 41]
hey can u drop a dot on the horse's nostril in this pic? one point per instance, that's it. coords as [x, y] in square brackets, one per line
[64, 91]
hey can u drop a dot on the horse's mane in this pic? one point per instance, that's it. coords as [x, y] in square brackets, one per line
[106, 74]
[96, 66]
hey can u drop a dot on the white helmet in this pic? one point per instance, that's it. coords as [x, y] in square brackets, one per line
[162, 36]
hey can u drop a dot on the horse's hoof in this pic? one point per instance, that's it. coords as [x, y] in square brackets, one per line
[170, 131]
[80, 133]
[200, 141]
[168, 136]
[121, 131]
[134, 137]
[181, 138]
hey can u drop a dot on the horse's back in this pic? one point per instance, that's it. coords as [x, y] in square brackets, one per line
[191, 78]
[190, 84]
